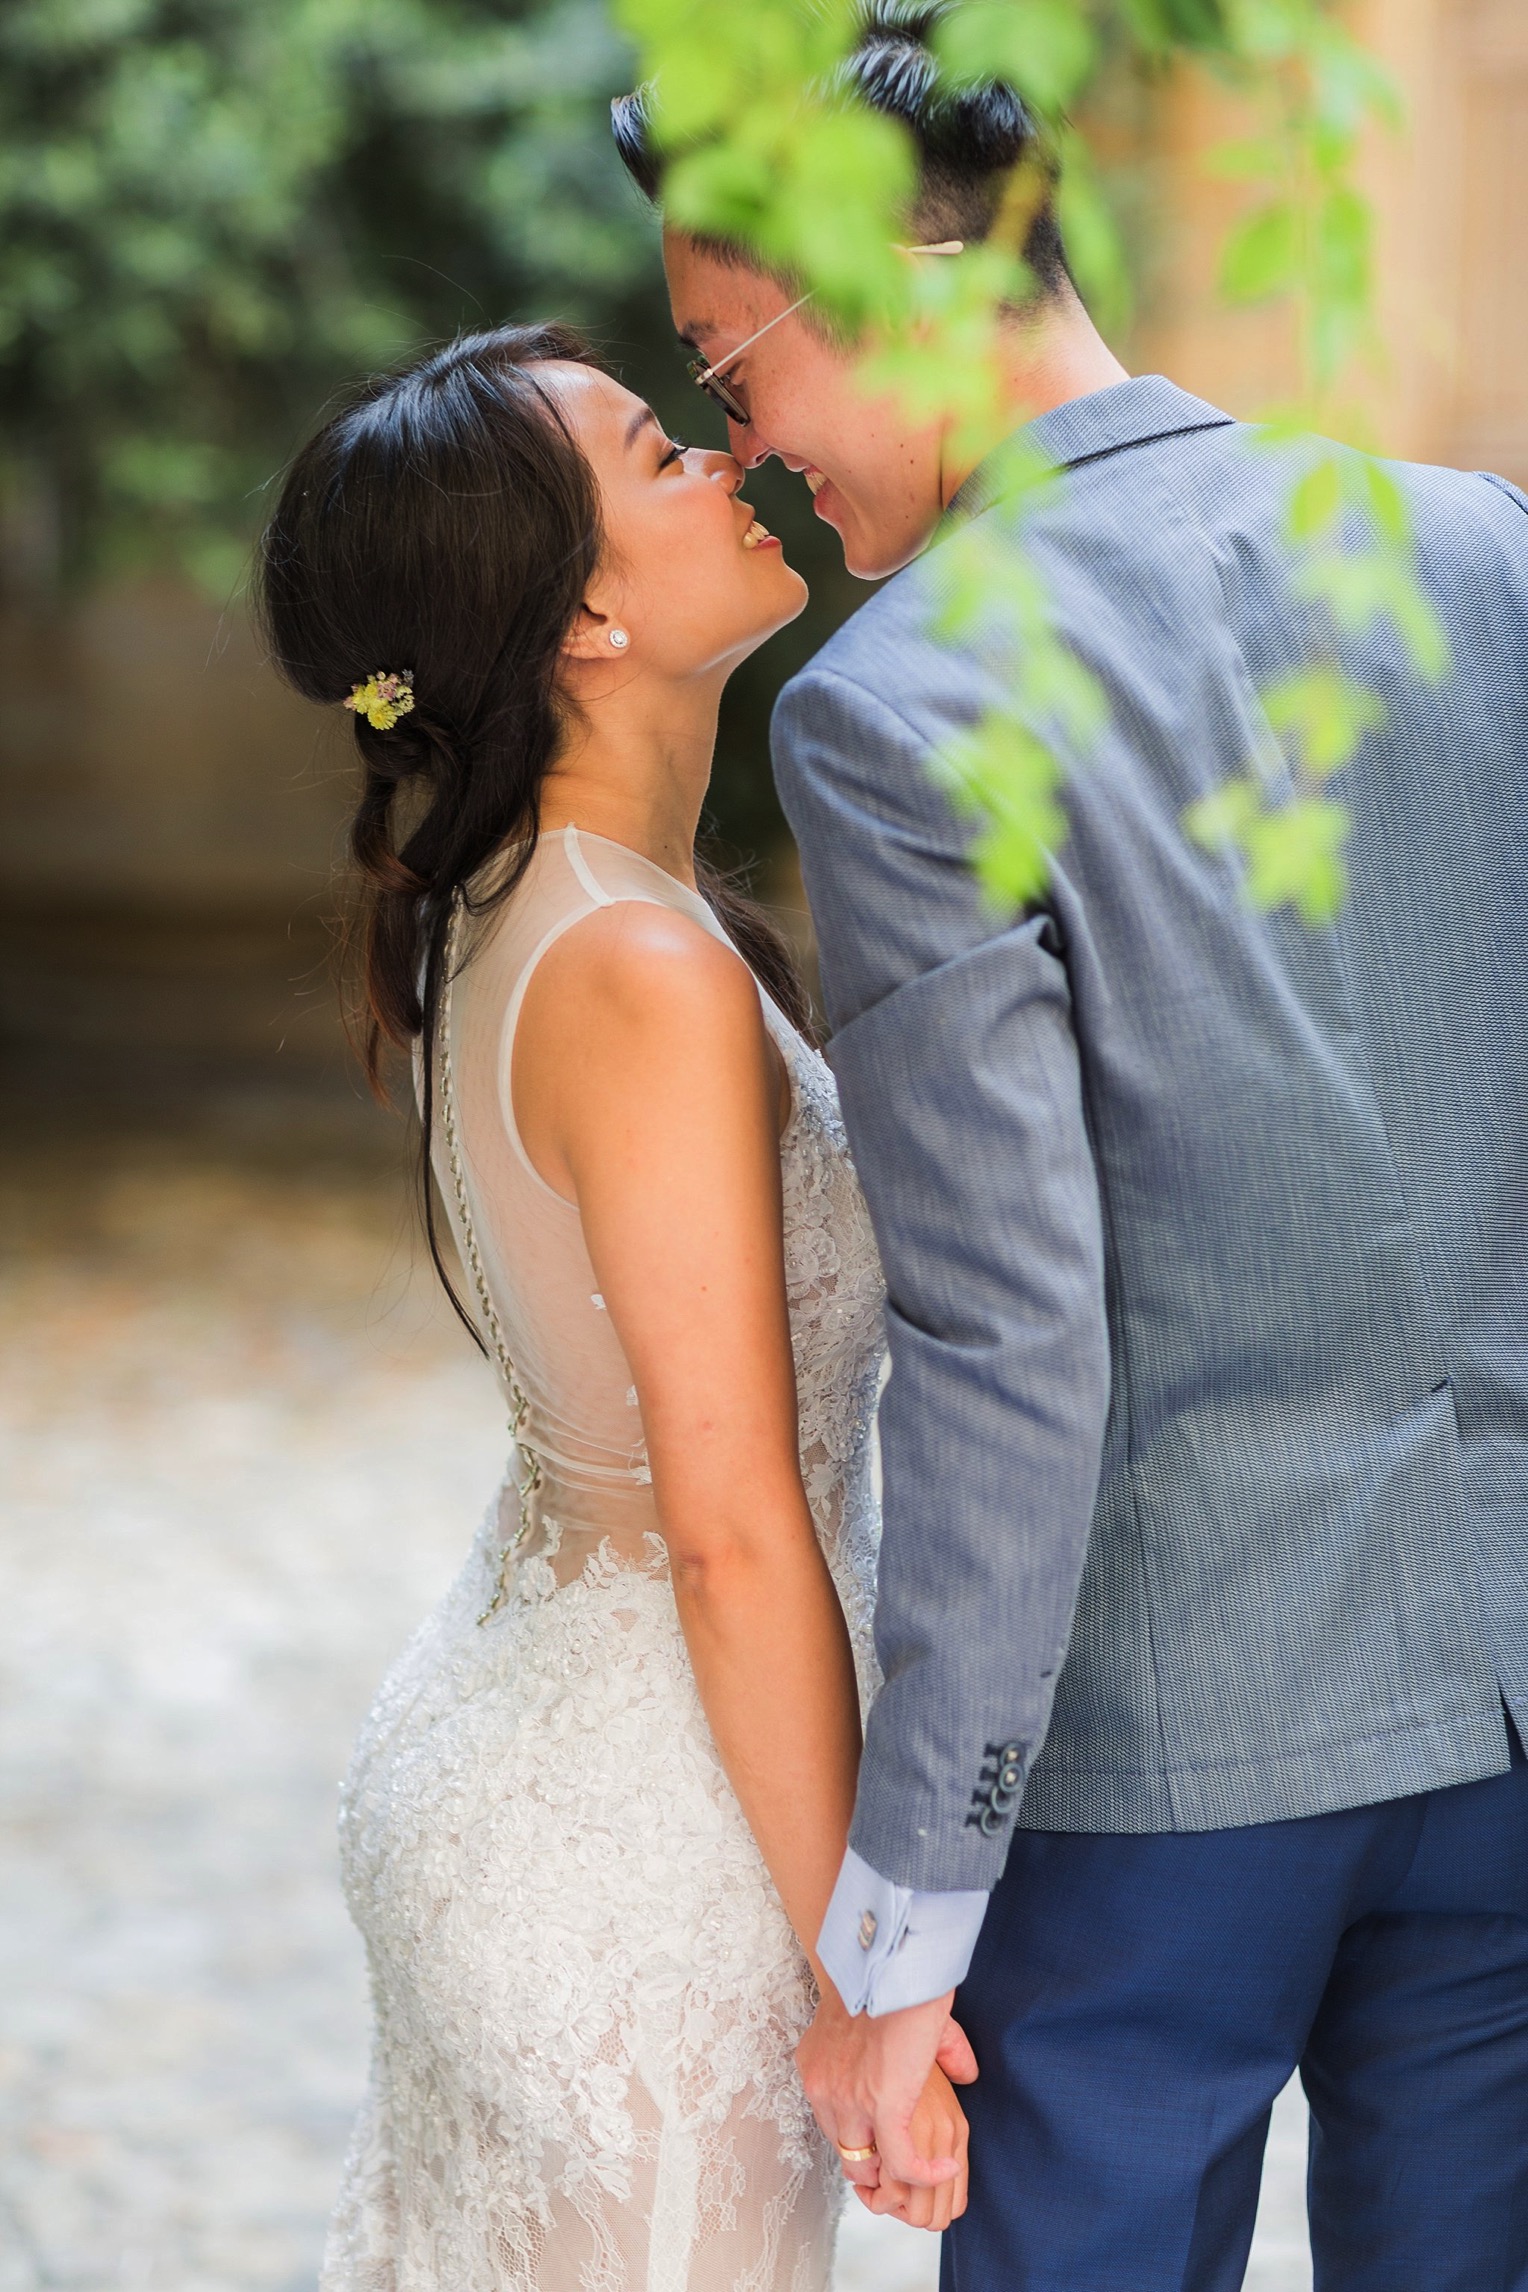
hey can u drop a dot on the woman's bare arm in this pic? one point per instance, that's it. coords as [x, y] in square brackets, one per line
[646, 1089]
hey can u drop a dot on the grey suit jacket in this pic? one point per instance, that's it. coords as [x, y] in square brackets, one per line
[1206, 1442]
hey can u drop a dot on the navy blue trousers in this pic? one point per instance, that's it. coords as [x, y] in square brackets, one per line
[1137, 2003]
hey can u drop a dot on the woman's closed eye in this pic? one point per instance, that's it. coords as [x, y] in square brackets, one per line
[674, 450]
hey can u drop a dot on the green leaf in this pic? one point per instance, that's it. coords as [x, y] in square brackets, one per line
[696, 91]
[1362, 587]
[1422, 632]
[1322, 717]
[1294, 858]
[1000, 773]
[1254, 158]
[1336, 327]
[1386, 503]
[838, 183]
[1350, 84]
[1343, 234]
[1316, 501]
[721, 189]
[1293, 854]
[1094, 248]
[1159, 26]
[1262, 255]
[1044, 48]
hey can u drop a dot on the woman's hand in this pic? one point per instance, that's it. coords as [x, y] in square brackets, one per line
[938, 2128]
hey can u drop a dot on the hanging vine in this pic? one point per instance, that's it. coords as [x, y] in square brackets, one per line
[767, 149]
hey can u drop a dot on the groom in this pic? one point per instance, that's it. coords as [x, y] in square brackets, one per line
[1204, 1593]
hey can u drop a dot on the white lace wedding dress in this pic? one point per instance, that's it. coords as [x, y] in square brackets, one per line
[587, 1994]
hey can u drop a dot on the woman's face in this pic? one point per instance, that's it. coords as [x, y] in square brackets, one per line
[688, 572]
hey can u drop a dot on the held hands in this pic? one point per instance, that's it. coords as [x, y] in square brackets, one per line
[938, 2130]
[886, 2084]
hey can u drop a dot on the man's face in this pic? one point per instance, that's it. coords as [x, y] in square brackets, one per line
[875, 475]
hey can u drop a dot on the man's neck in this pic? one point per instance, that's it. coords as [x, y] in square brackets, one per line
[1048, 359]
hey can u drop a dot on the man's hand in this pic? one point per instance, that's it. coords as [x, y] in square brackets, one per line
[885, 2083]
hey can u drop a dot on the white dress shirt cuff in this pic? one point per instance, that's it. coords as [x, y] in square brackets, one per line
[888, 1946]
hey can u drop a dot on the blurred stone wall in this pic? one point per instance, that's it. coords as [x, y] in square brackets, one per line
[1451, 194]
[168, 826]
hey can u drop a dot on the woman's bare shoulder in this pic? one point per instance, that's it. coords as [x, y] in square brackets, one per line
[639, 965]
[639, 1015]
[638, 988]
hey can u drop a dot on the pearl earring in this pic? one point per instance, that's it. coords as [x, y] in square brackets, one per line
[619, 639]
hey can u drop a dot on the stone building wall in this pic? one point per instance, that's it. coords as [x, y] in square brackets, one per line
[1451, 194]
[169, 821]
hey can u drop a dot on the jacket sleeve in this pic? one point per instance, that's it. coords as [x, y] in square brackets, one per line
[958, 1066]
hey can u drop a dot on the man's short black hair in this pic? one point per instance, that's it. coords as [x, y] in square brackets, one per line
[969, 141]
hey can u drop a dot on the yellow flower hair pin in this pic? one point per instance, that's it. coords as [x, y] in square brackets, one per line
[383, 698]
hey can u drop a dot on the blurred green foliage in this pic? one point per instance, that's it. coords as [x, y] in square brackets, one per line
[213, 211]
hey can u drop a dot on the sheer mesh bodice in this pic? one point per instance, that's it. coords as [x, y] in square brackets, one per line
[583, 1428]
[587, 1994]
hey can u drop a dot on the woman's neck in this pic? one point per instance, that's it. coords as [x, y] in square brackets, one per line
[636, 770]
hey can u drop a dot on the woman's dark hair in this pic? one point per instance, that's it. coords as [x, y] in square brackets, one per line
[969, 140]
[445, 522]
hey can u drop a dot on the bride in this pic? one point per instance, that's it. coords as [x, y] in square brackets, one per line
[598, 1807]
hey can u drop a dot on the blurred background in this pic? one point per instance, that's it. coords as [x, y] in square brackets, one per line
[243, 1448]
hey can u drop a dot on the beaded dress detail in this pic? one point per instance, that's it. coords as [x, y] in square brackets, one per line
[586, 1992]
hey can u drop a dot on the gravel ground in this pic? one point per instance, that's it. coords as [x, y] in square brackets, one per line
[243, 1451]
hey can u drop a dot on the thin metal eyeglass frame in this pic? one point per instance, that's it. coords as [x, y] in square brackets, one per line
[708, 378]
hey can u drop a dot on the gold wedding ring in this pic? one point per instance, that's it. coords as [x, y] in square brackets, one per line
[855, 2156]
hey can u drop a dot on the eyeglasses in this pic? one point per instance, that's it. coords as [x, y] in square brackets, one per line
[720, 393]
[709, 378]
